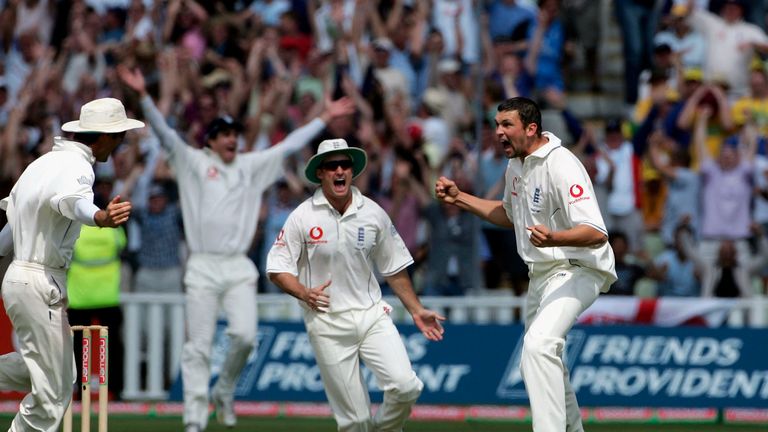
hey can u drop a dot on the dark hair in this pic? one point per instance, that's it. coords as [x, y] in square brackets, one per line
[740, 3]
[527, 110]
[222, 125]
[86, 138]
[682, 157]
[89, 138]
[662, 49]
[613, 125]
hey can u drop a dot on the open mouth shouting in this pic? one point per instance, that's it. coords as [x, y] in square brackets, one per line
[340, 184]
[336, 174]
[507, 145]
[225, 145]
[229, 151]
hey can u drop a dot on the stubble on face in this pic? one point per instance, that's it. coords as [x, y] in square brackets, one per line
[510, 133]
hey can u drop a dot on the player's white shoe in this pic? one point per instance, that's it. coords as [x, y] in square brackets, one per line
[225, 410]
[192, 427]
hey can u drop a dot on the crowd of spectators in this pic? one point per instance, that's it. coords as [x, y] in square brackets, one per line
[685, 162]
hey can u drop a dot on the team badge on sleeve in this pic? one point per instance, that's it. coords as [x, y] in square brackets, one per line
[393, 230]
[85, 181]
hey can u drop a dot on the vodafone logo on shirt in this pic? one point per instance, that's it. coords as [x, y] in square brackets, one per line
[316, 235]
[212, 173]
[577, 193]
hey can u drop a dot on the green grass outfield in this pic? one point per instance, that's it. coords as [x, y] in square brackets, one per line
[260, 424]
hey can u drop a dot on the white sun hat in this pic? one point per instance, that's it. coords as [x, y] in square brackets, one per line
[105, 115]
[335, 146]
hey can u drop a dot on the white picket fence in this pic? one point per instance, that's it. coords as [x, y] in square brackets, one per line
[153, 330]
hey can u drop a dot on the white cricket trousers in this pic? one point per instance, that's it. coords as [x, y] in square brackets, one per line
[339, 341]
[214, 283]
[557, 294]
[44, 366]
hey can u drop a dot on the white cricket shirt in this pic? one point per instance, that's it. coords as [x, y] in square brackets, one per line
[42, 231]
[318, 244]
[550, 187]
[220, 202]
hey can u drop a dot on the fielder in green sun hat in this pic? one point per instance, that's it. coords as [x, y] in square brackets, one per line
[332, 147]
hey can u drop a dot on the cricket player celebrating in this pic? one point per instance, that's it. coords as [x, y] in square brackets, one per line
[220, 200]
[549, 201]
[324, 256]
[46, 208]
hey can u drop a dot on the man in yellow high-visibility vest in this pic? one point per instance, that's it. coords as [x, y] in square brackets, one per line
[93, 281]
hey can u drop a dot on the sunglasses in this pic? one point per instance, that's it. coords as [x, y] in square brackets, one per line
[334, 165]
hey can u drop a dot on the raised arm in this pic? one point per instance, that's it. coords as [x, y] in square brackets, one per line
[654, 150]
[459, 34]
[171, 13]
[419, 35]
[532, 59]
[687, 115]
[490, 210]
[10, 158]
[168, 67]
[369, 15]
[750, 137]
[169, 139]
[700, 133]
[297, 139]
[724, 111]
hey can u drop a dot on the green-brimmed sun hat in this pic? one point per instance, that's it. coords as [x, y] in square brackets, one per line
[331, 147]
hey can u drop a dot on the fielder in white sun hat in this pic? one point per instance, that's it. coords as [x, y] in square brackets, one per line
[105, 115]
[332, 147]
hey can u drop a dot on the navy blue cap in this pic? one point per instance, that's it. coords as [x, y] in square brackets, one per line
[613, 125]
[222, 124]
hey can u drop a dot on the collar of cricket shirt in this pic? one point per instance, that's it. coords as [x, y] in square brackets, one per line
[63, 144]
[319, 199]
[543, 151]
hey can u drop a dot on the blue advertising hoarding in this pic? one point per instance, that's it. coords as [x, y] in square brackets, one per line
[479, 364]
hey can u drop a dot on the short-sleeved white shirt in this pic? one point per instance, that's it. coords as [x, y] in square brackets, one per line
[550, 187]
[318, 244]
[41, 233]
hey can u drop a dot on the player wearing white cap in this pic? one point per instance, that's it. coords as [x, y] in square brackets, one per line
[550, 202]
[220, 200]
[325, 256]
[46, 208]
